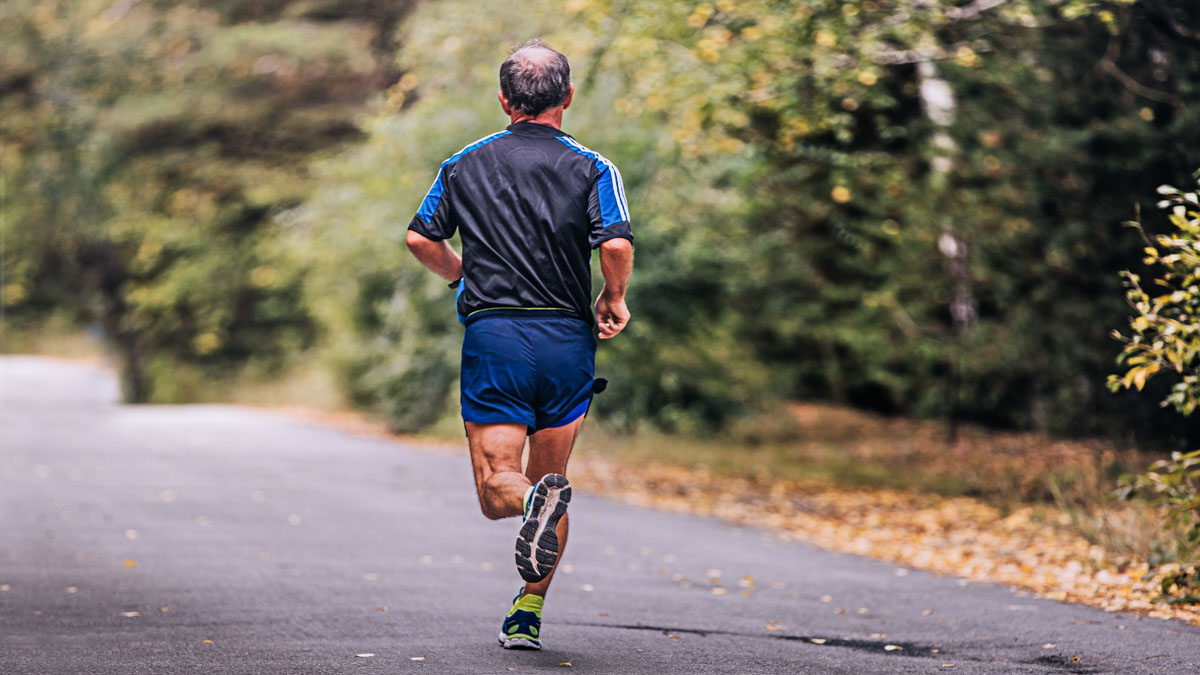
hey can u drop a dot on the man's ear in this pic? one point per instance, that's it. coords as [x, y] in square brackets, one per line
[570, 95]
[504, 102]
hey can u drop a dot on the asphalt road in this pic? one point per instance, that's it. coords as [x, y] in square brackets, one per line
[183, 539]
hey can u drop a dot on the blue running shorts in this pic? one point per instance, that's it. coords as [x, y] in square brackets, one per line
[527, 367]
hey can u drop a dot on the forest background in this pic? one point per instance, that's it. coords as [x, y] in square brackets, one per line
[908, 208]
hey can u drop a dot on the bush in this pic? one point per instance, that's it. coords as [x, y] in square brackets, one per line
[1166, 339]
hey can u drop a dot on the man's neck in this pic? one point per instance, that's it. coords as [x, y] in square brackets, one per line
[550, 118]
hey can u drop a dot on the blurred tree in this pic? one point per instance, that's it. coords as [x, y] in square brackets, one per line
[147, 147]
[820, 189]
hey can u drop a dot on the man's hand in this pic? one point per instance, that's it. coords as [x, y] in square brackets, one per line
[616, 263]
[611, 315]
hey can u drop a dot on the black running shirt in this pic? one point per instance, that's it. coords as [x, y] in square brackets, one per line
[529, 204]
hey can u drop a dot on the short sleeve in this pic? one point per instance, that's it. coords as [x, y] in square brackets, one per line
[608, 210]
[433, 217]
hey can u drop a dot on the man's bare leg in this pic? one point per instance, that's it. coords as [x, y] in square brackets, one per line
[549, 451]
[496, 459]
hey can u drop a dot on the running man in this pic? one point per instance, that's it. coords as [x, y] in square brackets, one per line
[529, 204]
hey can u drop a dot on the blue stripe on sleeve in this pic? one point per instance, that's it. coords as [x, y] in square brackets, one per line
[434, 196]
[614, 208]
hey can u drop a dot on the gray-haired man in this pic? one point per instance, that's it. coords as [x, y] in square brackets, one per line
[530, 204]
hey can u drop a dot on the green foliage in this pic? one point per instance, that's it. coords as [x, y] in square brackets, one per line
[147, 148]
[1165, 338]
[1173, 486]
[1165, 330]
[791, 189]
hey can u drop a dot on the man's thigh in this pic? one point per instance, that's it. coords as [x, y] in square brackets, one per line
[495, 448]
[550, 449]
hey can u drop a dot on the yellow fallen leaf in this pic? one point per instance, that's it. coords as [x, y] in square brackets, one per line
[891, 648]
[926, 612]
[164, 609]
[1049, 645]
[130, 615]
[673, 636]
[603, 613]
[1074, 659]
[130, 562]
[380, 608]
[565, 664]
[416, 658]
[947, 665]
[772, 626]
[207, 642]
[818, 641]
[364, 656]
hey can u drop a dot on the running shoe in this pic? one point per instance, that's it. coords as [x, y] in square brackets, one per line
[537, 545]
[522, 627]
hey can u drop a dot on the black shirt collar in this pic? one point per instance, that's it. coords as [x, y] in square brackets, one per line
[535, 129]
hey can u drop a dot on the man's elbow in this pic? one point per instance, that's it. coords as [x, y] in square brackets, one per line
[416, 241]
[619, 246]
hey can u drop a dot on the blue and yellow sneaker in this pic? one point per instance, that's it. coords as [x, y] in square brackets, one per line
[537, 545]
[523, 625]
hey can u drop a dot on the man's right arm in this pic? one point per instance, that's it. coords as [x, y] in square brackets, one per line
[616, 264]
[438, 256]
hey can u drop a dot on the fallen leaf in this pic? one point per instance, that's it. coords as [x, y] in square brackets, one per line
[565, 664]
[947, 665]
[1074, 659]
[1049, 645]
[603, 613]
[371, 576]
[164, 609]
[826, 598]
[878, 636]
[72, 589]
[414, 658]
[673, 636]
[891, 648]
[818, 641]
[772, 626]
[926, 612]
[130, 615]
[862, 610]
[380, 608]
[5, 588]
[719, 591]
[207, 642]
[839, 611]
[1119, 626]
[935, 651]
[130, 562]
[364, 656]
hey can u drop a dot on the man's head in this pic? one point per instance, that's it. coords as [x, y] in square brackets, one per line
[534, 79]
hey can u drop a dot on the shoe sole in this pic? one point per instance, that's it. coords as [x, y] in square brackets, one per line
[537, 545]
[518, 643]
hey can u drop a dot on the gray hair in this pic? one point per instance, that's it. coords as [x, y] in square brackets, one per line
[535, 78]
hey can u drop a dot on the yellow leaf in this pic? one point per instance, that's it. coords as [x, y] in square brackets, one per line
[818, 641]
[207, 642]
[416, 658]
[130, 615]
[363, 656]
[892, 648]
[130, 562]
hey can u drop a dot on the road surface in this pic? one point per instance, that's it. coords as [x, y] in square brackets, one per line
[218, 539]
